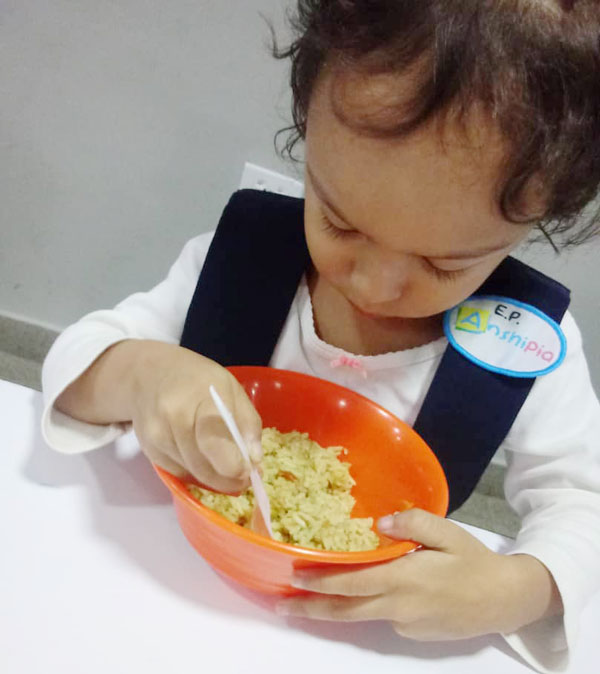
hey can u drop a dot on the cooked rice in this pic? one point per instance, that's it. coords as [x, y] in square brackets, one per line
[309, 491]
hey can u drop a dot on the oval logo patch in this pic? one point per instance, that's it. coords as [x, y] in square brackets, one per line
[505, 336]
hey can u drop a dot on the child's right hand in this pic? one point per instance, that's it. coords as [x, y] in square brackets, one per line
[163, 390]
[179, 427]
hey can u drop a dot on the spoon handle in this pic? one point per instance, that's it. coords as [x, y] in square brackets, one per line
[260, 494]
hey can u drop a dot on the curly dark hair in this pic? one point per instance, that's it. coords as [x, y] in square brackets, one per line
[532, 65]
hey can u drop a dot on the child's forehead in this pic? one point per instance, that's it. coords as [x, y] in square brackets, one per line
[345, 120]
[442, 181]
[380, 104]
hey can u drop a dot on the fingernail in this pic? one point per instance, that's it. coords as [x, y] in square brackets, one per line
[385, 523]
[298, 583]
[255, 449]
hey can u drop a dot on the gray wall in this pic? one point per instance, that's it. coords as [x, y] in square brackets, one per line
[124, 126]
[579, 270]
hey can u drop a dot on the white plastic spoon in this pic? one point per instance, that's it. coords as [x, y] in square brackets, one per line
[262, 499]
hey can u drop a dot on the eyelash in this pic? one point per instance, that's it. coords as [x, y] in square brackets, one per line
[441, 274]
[334, 231]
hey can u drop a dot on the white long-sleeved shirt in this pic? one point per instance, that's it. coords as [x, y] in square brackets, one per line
[552, 450]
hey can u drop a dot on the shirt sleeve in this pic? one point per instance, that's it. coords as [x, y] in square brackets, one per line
[553, 483]
[158, 314]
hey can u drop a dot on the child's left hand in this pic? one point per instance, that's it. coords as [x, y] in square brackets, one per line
[455, 588]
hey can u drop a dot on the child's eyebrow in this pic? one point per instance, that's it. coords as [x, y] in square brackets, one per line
[458, 255]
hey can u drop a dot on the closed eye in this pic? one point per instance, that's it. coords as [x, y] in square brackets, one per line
[333, 230]
[338, 233]
[443, 274]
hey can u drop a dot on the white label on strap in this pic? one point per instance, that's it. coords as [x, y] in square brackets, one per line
[505, 336]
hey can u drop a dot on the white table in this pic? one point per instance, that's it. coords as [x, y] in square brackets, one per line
[96, 577]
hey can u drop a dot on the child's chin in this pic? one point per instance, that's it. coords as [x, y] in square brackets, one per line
[378, 316]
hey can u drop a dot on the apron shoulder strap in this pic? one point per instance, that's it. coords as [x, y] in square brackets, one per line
[249, 279]
[245, 291]
[468, 411]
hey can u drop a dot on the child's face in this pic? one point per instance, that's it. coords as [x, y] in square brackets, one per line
[403, 227]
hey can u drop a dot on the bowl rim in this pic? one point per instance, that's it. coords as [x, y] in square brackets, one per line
[179, 490]
[177, 486]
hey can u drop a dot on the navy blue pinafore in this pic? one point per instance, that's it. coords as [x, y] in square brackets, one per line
[250, 277]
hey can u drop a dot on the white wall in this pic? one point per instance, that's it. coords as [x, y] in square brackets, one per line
[124, 126]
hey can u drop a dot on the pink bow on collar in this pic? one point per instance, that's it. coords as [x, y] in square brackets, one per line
[350, 362]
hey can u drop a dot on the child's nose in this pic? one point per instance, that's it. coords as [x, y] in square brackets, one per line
[379, 280]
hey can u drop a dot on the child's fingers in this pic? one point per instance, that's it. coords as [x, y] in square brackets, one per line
[426, 630]
[249, 422]
[431, 531]
[165, 462]
[341, 609]
[365, 582]
[207, 476]
[213, 440]
[199, 465]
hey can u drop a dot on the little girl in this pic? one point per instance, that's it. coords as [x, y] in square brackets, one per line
[438, 135]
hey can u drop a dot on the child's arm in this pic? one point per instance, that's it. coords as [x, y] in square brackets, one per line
[162, 389]
[125, 365]
[553, 483]
[455, 588]
[458, 587]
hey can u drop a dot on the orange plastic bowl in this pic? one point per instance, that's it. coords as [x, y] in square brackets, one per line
[389, 462]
